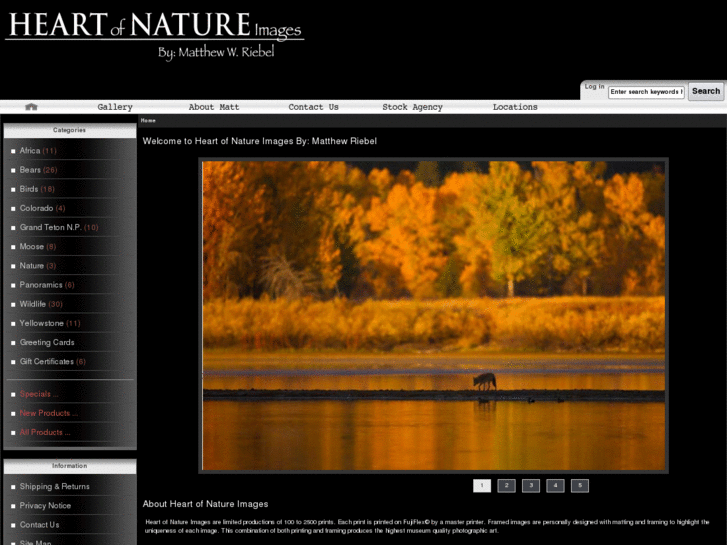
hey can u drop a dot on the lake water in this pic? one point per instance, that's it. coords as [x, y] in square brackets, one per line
[433, 435]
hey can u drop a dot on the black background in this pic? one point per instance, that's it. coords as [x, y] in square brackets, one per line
[372, 54]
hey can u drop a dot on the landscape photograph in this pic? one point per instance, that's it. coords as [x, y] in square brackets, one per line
[472, 315]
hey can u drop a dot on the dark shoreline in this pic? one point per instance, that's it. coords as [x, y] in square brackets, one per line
[439, 395]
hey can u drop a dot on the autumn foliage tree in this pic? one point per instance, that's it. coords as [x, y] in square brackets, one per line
[573, 242]
[325, 229]
[276, 213]
[406, 253]
[635, 247]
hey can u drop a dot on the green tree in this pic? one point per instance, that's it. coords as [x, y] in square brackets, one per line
[516, 227]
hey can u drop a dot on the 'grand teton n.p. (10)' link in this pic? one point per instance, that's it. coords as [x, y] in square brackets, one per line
[173, 25]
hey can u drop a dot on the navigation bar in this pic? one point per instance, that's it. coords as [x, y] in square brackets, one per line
[663, 99]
